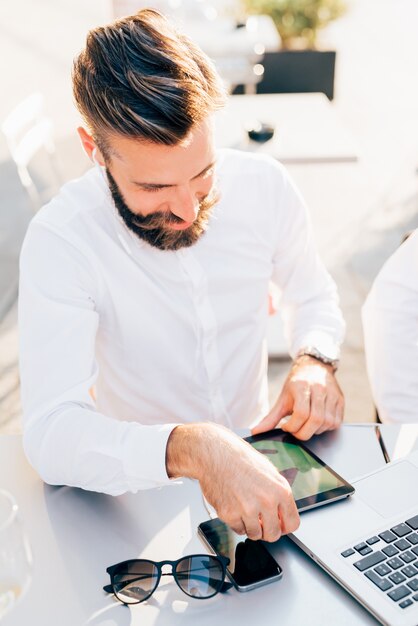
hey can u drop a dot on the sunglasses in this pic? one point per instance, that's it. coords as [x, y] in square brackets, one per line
[199, 576]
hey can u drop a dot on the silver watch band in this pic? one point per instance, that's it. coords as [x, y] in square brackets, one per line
[316, 354]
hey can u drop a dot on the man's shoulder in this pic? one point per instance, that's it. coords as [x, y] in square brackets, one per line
[74, 201]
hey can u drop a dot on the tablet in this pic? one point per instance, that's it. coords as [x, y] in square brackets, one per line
[312, 481]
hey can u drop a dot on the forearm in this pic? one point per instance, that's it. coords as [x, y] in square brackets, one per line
[192, 447]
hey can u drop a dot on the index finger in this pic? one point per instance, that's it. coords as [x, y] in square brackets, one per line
[288, 514]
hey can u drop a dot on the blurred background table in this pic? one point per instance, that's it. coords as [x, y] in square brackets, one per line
[307, 128]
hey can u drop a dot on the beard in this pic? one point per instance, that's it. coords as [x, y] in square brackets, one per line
[155, 227]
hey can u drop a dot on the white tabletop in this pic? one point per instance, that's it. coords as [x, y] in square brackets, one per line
[307, 128]
[76, 534]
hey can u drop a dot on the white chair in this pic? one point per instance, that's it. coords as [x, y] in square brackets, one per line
[28, 132]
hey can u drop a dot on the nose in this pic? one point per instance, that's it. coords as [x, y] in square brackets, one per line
[185, 204]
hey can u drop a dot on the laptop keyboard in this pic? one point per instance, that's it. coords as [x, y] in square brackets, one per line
[390, 561]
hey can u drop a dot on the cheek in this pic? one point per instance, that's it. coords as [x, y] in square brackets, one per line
[145, 203]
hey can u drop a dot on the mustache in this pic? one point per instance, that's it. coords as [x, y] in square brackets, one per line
[161, 219]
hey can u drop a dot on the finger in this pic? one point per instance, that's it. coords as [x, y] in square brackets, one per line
[301, 410]
[237, 526]
[288, 514]
[339, 416]
[331, 421]
[253, 528]
[271, 420]
[271, 525]
[316, 416]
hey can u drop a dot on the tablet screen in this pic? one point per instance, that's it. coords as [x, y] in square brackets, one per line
[311, 480]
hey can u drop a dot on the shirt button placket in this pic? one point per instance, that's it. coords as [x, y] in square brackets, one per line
[208, 329]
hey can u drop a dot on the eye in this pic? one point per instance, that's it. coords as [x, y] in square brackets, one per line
[208, 172]
[151, 189]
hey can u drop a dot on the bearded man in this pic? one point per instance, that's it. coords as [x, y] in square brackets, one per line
[148, 279]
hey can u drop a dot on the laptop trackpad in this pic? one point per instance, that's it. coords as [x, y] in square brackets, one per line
[390, 491]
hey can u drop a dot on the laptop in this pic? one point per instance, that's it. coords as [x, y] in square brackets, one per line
[369, 542]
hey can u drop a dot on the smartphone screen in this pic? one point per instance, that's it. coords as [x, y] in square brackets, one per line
[251, 565]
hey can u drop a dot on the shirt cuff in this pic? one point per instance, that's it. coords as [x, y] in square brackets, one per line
[144, 454]
[322, 341]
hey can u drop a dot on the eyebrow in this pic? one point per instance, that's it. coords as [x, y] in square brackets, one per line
[164, 186]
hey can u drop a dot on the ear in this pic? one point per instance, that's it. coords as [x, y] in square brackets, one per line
[89, 146]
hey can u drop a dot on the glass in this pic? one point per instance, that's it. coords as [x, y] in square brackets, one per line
[200, 576]
[15, 556]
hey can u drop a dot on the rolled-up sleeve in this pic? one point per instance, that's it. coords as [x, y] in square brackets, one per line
[65, 438]
[309, 301]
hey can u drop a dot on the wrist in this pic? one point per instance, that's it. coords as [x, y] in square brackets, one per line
[307, 359]
[187, 449]
[316, 356]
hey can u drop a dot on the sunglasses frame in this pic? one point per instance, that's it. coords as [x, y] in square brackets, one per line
[223, 585]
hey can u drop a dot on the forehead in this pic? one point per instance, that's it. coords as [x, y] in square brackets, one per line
[161, 164]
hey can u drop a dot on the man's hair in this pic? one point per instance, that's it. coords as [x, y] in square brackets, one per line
[139, 77]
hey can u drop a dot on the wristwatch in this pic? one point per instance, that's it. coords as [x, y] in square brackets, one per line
[316, 354]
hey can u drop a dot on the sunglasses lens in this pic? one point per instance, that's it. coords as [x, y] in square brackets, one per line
[135, 581]
[200, 576]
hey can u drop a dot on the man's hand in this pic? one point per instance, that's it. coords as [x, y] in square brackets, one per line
[311, 401]
[243, 486]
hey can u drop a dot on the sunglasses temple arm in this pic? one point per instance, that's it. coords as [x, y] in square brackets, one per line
[108, 588]
[226, 586]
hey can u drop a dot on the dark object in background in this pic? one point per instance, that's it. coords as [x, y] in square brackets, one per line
[297, 71]
[261, 132]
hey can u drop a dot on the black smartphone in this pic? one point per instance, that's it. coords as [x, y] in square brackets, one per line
[250, 563]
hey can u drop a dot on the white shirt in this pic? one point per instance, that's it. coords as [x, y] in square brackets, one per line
[166, 337]
[390, 321]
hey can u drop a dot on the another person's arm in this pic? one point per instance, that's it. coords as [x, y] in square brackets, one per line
[390, 322]
[311, 397]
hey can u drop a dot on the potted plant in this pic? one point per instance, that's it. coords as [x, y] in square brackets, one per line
[299, 66]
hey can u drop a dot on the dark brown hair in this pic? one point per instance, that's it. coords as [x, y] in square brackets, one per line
[141, 78]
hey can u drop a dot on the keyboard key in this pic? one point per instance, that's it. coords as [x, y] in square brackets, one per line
[390, 550]
[387, 536]
[402, 544]
[415, 550]
[415, 597]
[413, 538]
[382, 583]
[347, 553]
[383, 569]
[413, 584]
[373, 540]
[412, 522]
[360, 546]
[365, 551]
[369, 561]
[395, 563]
[401, 530]
[407, 556]
[409, 571]
[405, 603]
[397, 578]
[399, 593]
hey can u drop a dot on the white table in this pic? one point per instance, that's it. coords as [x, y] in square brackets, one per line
[75, 535]
[307, 128]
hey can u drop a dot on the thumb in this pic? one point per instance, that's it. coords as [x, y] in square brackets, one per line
[272, 419]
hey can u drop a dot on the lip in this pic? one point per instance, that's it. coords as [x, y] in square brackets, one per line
[182, 226]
